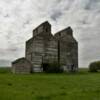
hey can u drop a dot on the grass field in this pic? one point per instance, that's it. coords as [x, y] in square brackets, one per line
[79, 86]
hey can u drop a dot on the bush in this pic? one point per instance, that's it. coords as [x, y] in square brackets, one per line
[94, 66]
[51, 68]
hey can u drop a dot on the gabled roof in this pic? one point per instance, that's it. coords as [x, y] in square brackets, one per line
[68, 29]
[44, 23]
[17, 60]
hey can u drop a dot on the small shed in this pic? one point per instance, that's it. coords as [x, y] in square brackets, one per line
[21, 65]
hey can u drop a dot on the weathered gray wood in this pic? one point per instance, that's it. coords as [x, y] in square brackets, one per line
[43, 48]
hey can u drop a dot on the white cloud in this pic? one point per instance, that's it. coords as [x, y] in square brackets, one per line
[19, 17]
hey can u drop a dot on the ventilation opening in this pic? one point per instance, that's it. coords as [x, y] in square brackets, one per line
[46, 29]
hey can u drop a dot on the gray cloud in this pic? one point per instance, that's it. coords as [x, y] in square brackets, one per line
[91, 4]
[55, 15]
[19, 17]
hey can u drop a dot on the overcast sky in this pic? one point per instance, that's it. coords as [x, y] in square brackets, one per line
[19, 17]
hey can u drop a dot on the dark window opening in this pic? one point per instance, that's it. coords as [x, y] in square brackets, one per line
[46, 29]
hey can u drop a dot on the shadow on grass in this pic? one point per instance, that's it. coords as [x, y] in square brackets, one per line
[43, 97]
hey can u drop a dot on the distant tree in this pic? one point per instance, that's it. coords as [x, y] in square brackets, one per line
[94, 66]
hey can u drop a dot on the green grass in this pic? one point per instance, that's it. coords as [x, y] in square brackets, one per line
[79, 86]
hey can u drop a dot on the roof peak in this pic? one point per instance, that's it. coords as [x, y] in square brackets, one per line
[45, 22]
[68, 29]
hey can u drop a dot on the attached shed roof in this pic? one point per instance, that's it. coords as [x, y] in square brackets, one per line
[20, 60]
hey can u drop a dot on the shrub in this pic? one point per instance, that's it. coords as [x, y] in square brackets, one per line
[51, 68]
[94, 66]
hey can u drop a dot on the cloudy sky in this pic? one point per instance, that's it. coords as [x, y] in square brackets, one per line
[19, 17]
